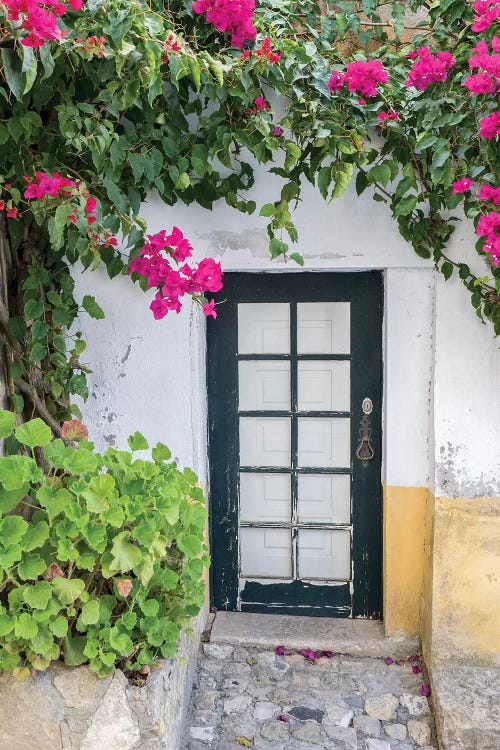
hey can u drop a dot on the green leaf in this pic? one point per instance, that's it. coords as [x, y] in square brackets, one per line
[268, 209]
[7, 423]
[55, 501]
[277, 248]
[36, 536]
[161, 453]
[12, 530]
[12, 69]
[34, 433]
[447, 270]
[17, 327]
[99, 491]
[59, 626]
[405, 206]
[33, 309]
[120, 642]
[125, 555]
[16, 471]
[25, 627]
[138, 442]
[68, 589]
[92, 308]
[343, 179]
[38, 596]
[10, 498]
[31, 566]
[90, 612]
[73, 649]
[297, 258]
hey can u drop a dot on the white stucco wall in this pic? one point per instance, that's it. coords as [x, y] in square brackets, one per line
[441, 366]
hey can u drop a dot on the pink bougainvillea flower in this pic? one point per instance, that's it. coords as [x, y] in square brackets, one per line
[383, 116]
[73, 429]
[264, 51]
[364, 77]
[336, 81]
[280, 650]
[488, 224]
[416, 669]
[283, 717]
[389, 661]
[489, 193]
[462, 185]
[489, 126]
[209, 309]
[481, 83]
[425, 690]
[277, 131]
[308, 653]
[232, 16]
[487, 11]
[429, 68]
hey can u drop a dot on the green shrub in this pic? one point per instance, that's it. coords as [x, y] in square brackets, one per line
[108, 567]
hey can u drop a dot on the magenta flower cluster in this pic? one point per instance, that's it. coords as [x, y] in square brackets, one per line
[361, 77]
[39, 18]
[428, 68]
[232, 16]
[487, 79]
[486, 11]
[155, 264]
[489, 224]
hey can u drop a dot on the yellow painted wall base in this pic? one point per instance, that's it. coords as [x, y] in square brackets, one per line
[442, 573]
[462, 606]
[404, 543]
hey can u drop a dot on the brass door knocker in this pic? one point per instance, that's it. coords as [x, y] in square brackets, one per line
[365, 450]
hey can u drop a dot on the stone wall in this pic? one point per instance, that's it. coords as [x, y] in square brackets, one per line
[68, 708]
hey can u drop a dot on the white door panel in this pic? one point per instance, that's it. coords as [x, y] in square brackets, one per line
[265, 441]
[265, 497]
[263, 329]
[266, 552]
[324, 328]
[264, 386]
[324, 386]
[324, 442]
[324, 498]
[324, 553]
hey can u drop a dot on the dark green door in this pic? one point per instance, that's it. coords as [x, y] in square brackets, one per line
[294, 411]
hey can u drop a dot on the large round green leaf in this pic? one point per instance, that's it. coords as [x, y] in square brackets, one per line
[34, 433]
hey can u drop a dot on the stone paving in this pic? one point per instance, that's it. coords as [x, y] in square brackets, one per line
[249, 697]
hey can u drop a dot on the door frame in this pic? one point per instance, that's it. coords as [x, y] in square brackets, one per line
[365, 289]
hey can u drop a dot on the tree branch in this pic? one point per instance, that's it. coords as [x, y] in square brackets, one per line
[39, 406]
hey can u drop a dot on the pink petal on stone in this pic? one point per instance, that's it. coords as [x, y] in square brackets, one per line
[389, 661]
[425, 690]
[416, 669]
[282, 717]
[280, 650]
[328, 654]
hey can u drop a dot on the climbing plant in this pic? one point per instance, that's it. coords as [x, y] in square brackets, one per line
[101, 104]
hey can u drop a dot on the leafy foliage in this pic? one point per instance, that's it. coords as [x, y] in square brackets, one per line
[108, 569]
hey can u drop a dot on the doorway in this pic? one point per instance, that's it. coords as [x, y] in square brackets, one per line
[294, 412]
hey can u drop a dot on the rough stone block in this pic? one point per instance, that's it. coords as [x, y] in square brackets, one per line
[420, 731]
[382, 706]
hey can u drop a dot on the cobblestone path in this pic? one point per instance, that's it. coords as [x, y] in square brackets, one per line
[254, 698]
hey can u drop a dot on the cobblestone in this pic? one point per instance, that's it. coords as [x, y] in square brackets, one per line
[249, 697]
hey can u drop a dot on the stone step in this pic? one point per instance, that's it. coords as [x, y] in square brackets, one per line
[467, 707]
[343, 636]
